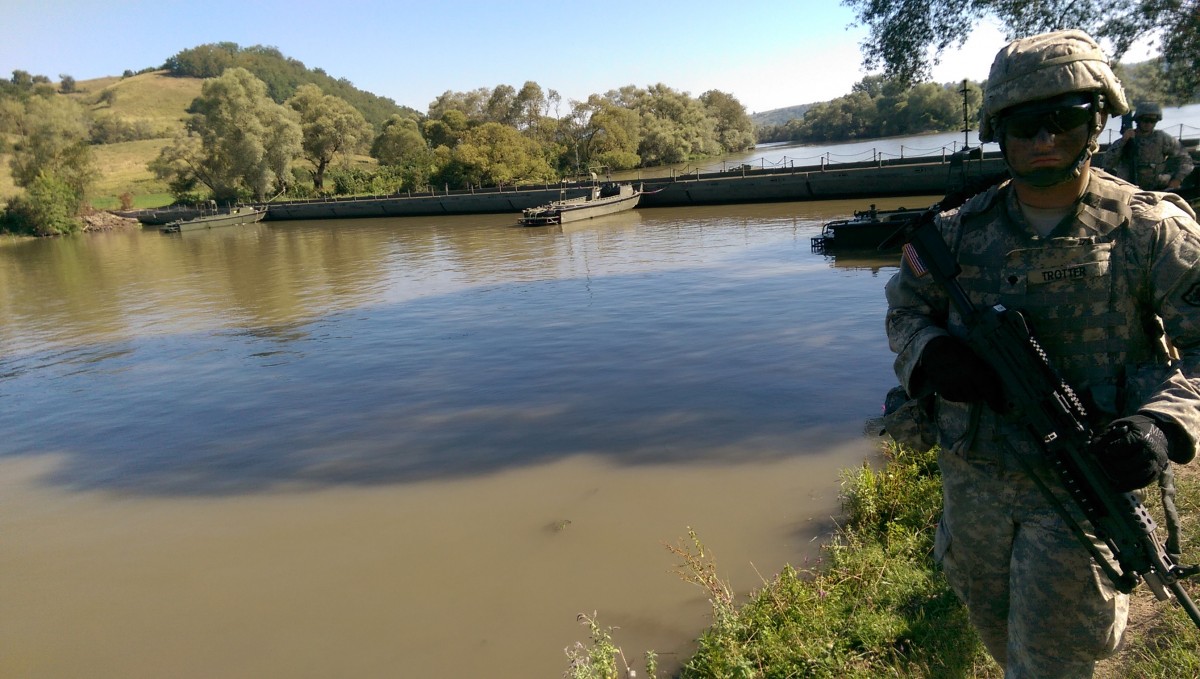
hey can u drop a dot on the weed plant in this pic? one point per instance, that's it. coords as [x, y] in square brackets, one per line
[598, 659]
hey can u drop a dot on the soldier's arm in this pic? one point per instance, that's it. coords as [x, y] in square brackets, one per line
[1174, 280]
[1184, 159]
[1112, 157]
[917, 312]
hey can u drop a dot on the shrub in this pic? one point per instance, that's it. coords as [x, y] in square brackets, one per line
[49, 207]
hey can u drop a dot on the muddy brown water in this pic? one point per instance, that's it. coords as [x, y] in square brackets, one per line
[418, 447]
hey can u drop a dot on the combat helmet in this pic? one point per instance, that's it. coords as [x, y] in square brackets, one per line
[1148, 110]
[1044, 66]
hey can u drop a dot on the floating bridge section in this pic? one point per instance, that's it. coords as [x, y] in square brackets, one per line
[741, 184]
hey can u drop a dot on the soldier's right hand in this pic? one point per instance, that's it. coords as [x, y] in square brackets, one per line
[958, 374]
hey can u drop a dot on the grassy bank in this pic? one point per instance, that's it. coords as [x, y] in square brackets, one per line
[877, 605]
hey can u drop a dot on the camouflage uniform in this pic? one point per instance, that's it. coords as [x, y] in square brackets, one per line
[1097, 293]
[1151, 161]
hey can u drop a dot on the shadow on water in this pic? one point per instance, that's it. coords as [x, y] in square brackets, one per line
[481, 380]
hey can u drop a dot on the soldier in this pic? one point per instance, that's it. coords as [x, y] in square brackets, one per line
[1150, 158]
[1105, 273]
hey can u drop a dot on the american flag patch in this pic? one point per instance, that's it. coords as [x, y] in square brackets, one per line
[914, 260]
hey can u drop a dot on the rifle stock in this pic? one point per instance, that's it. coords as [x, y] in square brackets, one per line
[1038, 401]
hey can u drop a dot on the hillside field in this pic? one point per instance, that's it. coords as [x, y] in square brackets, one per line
[156, 99]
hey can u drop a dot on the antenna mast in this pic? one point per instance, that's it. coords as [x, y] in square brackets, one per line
[966, 121]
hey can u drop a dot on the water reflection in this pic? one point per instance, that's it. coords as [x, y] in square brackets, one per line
[681, 366]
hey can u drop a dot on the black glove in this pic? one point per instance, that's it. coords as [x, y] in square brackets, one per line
[1132, 451]
[958, 374]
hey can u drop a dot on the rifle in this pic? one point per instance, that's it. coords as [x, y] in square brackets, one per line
[1050, 412]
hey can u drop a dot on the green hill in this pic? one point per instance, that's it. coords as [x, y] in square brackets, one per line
[139, 114]
[779, 116]
[154, 103]
[155, 99]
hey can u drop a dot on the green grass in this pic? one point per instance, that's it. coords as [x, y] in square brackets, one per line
[876, 604]
[1168, 647]
[140, 201]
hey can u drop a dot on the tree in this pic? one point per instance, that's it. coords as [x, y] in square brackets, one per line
[243, 141]
[53, 162]
[49, 207]
[22, 79]
[735, 131]
[329, 126]
[675, 127]
[878, 106]
[605, 135]
[493, 154]
[447, 129]
[848, 117]
[181, 164]
[282, 76]
[499, 107]
[205, 61]
[66, 84]
[901, 32]
[399, 142]
[529, 107]
[471, 104]
[53, 141]
[401, 146]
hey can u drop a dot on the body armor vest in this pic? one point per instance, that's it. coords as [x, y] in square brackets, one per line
[1073, 289]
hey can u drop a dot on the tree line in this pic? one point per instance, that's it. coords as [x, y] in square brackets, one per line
[265, 126]
[244, 140]
[882, 106]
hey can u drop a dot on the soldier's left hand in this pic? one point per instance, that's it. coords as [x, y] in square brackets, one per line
[1132, 451]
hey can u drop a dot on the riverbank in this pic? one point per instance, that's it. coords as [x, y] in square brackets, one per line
[877, 605]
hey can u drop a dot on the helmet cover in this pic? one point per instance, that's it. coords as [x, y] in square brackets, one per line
[1151, 110]
[1045, 66]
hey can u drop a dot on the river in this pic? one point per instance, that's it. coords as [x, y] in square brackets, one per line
[421, 447]
[417, 447]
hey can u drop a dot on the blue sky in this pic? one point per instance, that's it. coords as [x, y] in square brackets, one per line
[767, 54]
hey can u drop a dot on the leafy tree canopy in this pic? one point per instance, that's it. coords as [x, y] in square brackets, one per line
[494, 154]
[242, 142]
[330, 127]
[400, 142]
[907, 37]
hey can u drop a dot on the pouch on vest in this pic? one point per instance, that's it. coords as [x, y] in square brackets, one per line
[909, 421]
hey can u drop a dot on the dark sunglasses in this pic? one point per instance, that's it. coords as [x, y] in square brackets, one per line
[1054, 120]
